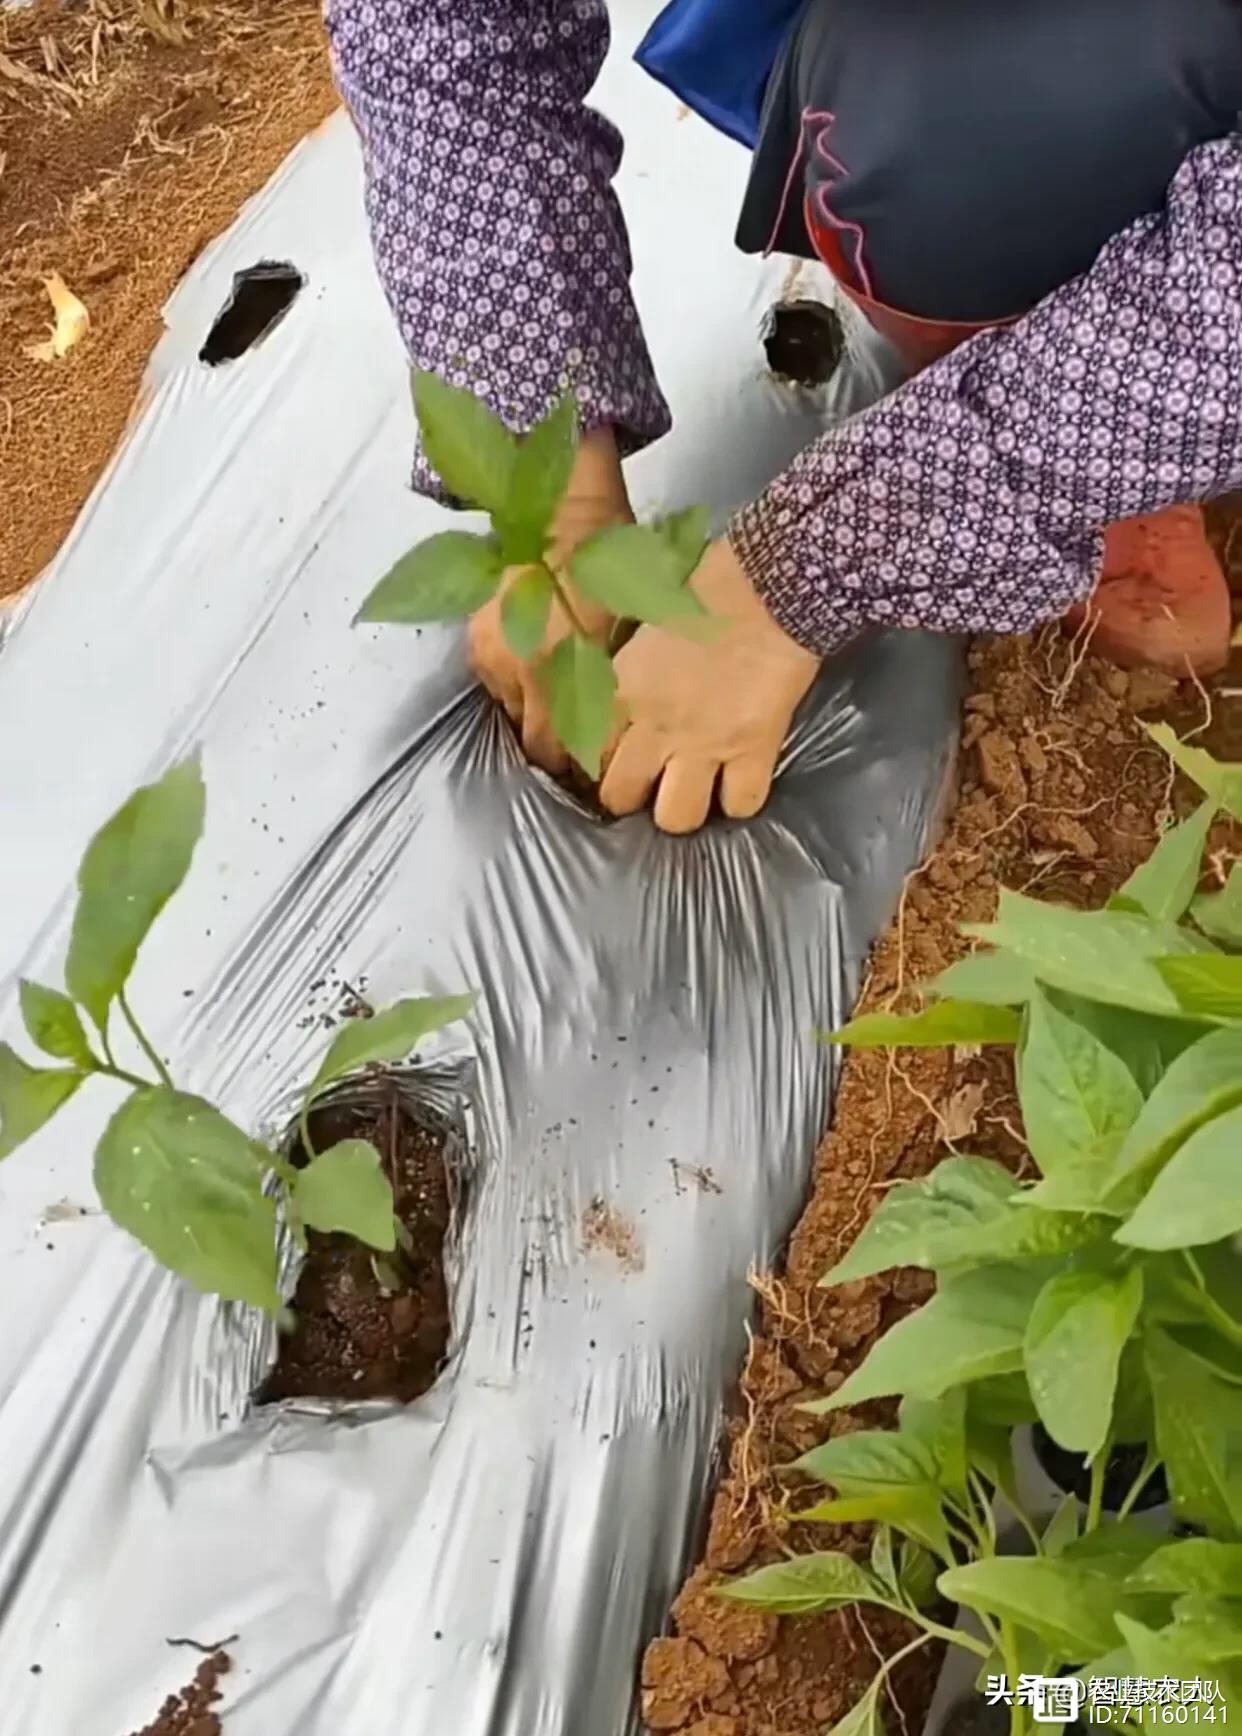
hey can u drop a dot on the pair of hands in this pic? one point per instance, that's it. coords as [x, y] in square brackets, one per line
[693, 711]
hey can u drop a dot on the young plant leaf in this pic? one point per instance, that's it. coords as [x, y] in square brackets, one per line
[1076, 1095]
[1074, 1339]
[131, 868]
[29, 1097]
[445, 578]
[1198, 1436]
[1062, 1529]
[870, 1459]
[345, 1189]
[1219, 914]
[1165, 884]
[686, 533]
[540, 475]
[972, 1327]
[188, 1185]
[387, 1036]
[917, 1512]
[1195, 1198]
[1071, 1608]
[1205, 1081]
[1207, 987]
[805, 1585]
[1099, 954]
[1147, 1043]
[470, 449]
[997, 978]
[883, 1566]
[916, 1575]
[1197, 1564]
[1222, 782]
[55, 1026]
[863, 1717]
[581, 688]
[941, 1024]
[524, 611]
[637, 575]
[967, 1212]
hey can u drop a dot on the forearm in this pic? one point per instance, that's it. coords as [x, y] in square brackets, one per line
[973, 499]
[497, 234]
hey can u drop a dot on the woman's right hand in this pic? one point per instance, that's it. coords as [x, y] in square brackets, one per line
[596, 498]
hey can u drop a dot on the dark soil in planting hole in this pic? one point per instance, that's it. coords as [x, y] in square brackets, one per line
[189, 1712]
[352, 1337]
[804, 342]
[1072, 1473]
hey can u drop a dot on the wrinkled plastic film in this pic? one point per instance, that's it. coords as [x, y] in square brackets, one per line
[490, 1560]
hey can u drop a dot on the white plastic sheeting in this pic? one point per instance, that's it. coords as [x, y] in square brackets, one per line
[489, 1561]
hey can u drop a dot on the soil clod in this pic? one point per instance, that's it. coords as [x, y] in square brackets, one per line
[189, 1713]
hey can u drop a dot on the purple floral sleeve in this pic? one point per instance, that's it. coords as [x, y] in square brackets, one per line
[497, 234]
[973, 498]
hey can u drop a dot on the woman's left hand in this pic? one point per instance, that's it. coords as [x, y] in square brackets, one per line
[701, 709]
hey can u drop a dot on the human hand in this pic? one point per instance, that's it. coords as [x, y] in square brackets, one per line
[596, 498]
[699, 708]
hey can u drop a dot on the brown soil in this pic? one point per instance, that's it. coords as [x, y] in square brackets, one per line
[1062, 795]
[131, 131]
[189, 1712]
[355, 1337]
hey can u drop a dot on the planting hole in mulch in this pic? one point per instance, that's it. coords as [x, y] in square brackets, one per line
[189, 1713]
[262, 296]
[362, 1333]
[804, 342]
[1072, 1474]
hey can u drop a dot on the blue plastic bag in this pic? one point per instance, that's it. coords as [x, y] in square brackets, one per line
[716, 55]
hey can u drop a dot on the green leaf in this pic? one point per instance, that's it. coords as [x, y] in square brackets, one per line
[686, 533]
[996, 978]
[1119, 1548]
[1070, 1607]
[883, 1567]
[972, 1327]
[1219, 914]
[345, 1188]
[132, 867]
[55, 1026]
[1076, 1095]
[387, 1036]
[989, 1447]
[1074, 1339]
[636, 574]
[1165, 884]
[938, 1426]
[806, 1585]
[524, 611]
[1207, 987]
[870, 1459]
[968, 1211]
[1199, 1564]
[1198, 1436]
[1062, 1529]
[1148, 1043]
[580, 687]
[1196, 1197]
[470, 449]
[863, 1717]
[945, 1022]
[29, 1096]
[1209, 1628]
[445, 578]
[187, 1184]
[1205, 1081]
[916, 1575]
[1222, 782]
[1096, 953]
[537, 482]
[917, 1512]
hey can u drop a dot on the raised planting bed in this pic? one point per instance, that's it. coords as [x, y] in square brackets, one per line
[1063, 796]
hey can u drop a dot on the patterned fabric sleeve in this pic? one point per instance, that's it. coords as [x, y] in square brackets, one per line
[973, 498]
[497, 235]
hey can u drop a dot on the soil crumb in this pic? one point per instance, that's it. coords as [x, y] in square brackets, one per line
[189, 1712]
[1062, 795]
[131, 132]
[605, 1230]
[354, 1336]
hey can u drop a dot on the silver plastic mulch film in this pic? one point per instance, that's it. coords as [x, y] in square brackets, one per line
[489, 1561]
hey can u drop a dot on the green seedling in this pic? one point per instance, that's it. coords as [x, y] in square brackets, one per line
[1102, 1298]
[195, 1189]
[635, 572]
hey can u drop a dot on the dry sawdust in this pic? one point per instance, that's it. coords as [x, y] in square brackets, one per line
[606, 1230]
[131, 131]
[1061, 795]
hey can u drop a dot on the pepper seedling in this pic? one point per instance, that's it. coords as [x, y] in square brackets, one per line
[195, 1189]
[635, 572]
